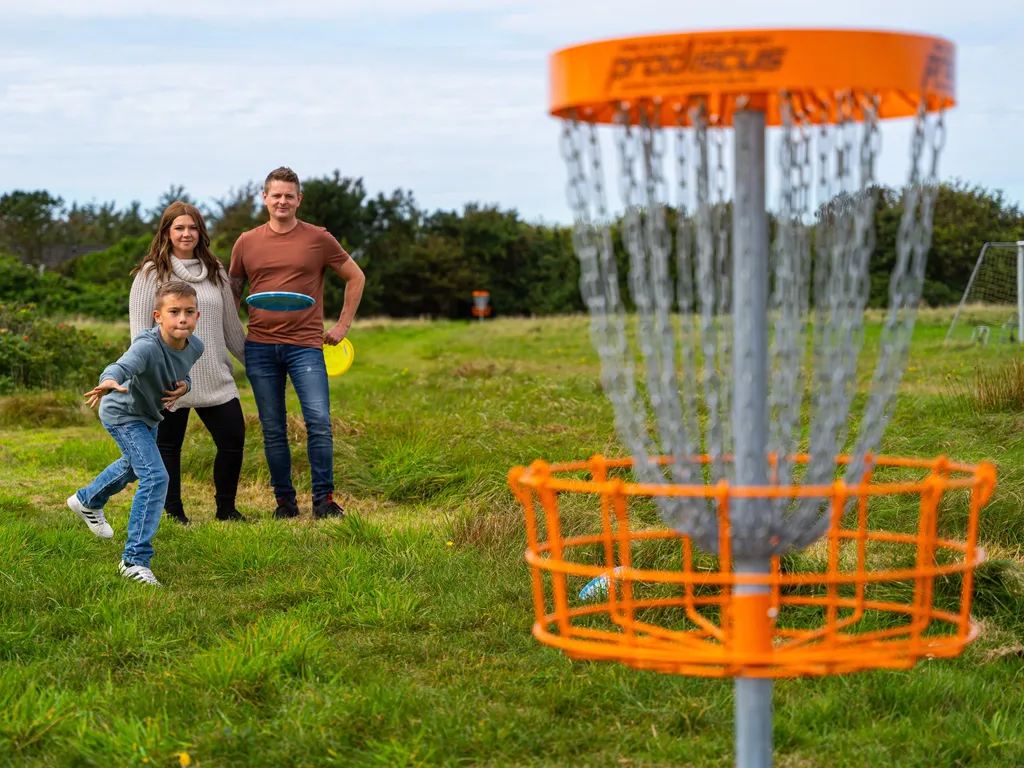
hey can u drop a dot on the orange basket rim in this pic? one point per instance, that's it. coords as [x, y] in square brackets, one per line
[541, 474]
[735, 69]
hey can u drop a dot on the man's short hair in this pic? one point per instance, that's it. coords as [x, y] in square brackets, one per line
[173, 288]
[282, 174]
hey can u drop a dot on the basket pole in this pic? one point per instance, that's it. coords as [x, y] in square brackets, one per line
[752, 696]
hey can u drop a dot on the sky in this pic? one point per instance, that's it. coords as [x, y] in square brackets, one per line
[118, 100]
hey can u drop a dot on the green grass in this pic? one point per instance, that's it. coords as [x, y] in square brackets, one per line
[401, 635]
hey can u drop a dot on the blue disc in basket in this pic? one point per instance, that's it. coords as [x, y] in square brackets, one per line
[280, 301]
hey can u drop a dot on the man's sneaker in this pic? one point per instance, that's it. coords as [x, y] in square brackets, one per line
[93, 518]
[139, 573]
[286, 508]
[327, 507]
[231, 515]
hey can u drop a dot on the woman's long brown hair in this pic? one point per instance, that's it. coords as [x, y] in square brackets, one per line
[161, 253]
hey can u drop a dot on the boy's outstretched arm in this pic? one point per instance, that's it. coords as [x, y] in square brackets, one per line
[132, 362]
[94, 395]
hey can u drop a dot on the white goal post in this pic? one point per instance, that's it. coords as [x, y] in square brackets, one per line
[996, 291]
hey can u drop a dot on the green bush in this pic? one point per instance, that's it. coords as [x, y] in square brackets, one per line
[55, 294]
[36, 353]
[109, 267]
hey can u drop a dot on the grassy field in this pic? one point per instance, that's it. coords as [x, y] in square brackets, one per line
[401, 635]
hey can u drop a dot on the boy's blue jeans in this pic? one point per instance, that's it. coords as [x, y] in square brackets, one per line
[140, 460]
[268, 366]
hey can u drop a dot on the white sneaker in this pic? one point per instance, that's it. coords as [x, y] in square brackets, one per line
[138, 573]
[93, 518]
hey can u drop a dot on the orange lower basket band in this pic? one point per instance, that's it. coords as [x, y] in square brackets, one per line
[862, 597]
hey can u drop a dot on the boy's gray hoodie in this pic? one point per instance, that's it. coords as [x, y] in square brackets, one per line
[147, 369]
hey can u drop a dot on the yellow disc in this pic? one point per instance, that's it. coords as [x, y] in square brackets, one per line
[339, 357]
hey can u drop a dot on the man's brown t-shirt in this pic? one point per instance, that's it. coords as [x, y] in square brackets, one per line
[293, 261]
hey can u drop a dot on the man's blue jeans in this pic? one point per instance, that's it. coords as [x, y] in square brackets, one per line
[268, 366]
[140, 460]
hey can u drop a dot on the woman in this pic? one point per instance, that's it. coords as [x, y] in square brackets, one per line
[181, 251]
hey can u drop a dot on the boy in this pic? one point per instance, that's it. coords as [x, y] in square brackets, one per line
[157, 362]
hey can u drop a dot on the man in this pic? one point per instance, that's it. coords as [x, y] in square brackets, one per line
[287, 254]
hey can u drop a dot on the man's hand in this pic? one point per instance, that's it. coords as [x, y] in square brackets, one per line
[93, 396]
[336, 334]
[174, 394]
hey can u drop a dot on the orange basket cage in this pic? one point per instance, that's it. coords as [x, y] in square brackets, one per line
[831, 609]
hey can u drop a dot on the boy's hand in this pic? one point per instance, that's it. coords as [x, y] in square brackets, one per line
[94, 395]
[174, 394]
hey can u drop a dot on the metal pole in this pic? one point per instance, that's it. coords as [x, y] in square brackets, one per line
[753, 696]
[967, 290]
[1020, 291]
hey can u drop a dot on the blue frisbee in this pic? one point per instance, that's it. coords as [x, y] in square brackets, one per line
[280, 301]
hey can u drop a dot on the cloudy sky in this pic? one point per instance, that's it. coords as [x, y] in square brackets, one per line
[119, 99]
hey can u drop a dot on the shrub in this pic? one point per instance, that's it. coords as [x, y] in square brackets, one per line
[36, 353]
[55, 294]
[111, 266]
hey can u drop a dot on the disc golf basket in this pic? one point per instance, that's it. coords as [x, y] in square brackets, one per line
[751, 532]
[481, 304]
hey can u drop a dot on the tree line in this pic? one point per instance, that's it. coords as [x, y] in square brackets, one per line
[417, 262]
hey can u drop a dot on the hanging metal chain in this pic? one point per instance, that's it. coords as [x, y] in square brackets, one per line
[598, 274]
[789, 303]
[619, 373]
[912, 244]
[720, 403]
[686, 469]
[651, 284]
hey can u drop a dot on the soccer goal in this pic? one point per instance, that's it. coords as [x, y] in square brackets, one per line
[992, 307]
